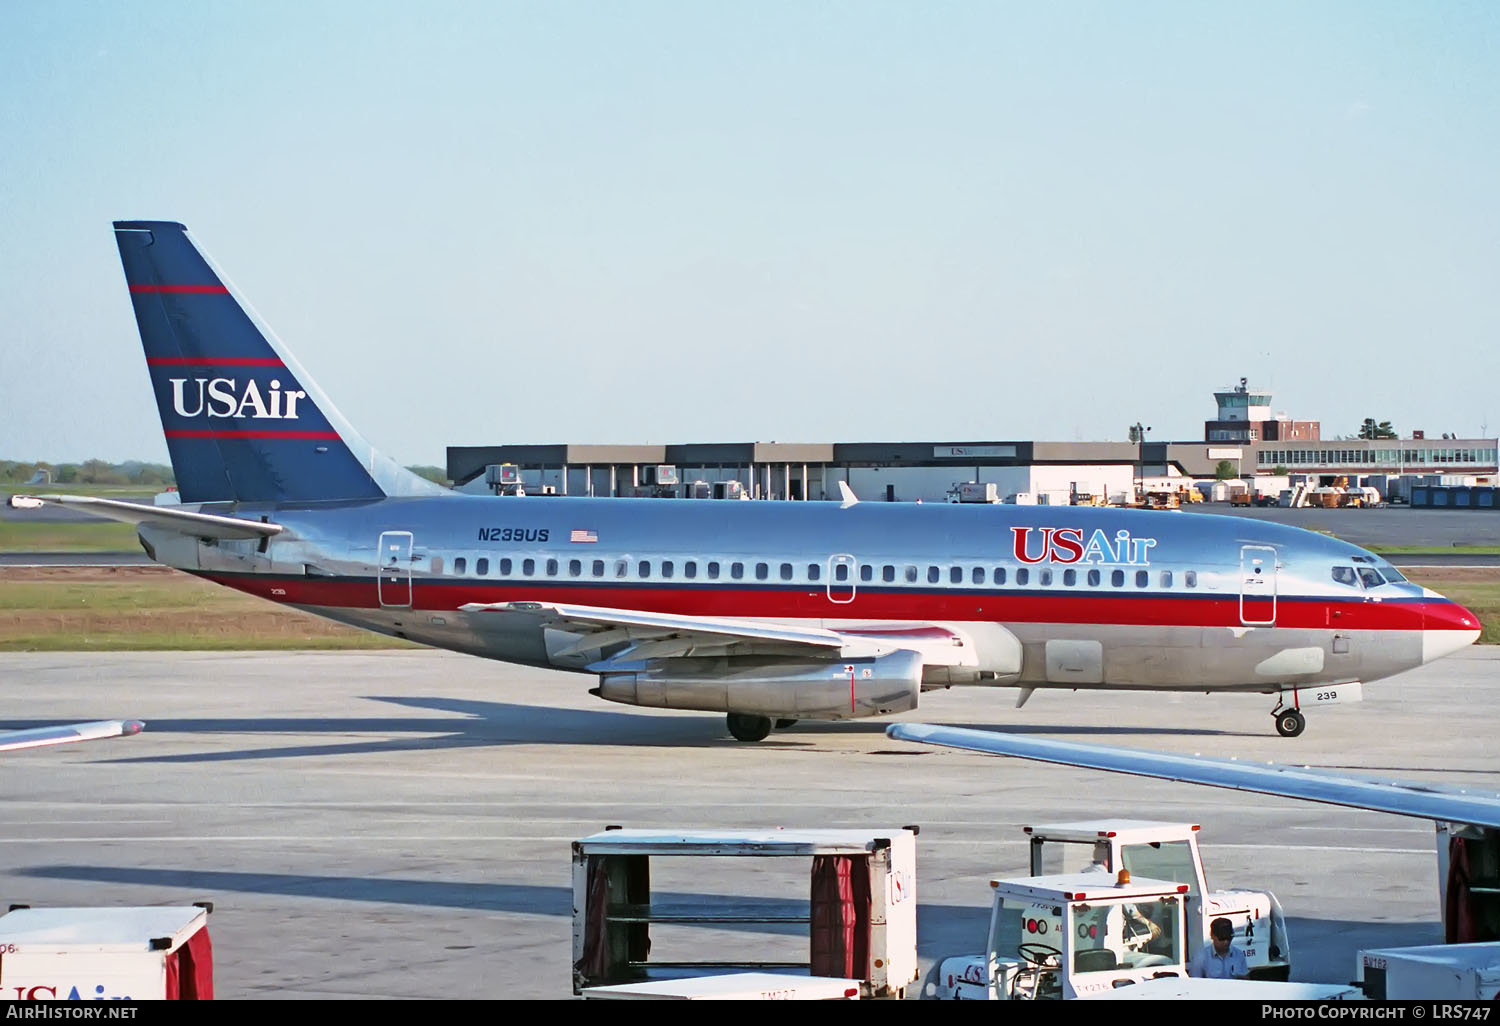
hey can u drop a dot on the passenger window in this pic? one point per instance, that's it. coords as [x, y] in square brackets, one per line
[762, 571]
[1166, 578]
[977, 576]
[814, 571]
[528, 567]
[690, 569]
[910, 574]
[482, 567]
[1070, 577]
[1370, 578]
[999, 575]
[956, 575]
[737, 570]
[459, 563]
[1022, 576]
[622, 568]
[934, 575]
[1044, 578]
[598, 568]
[1142, 578]
[841, 571]
[575, 568]
[551, 568]
[505, 565]
[666, 568]
[1190, 578]
[643, 568]
[713, 571]
[1117, 579]
[888, 573]
[1094, 578]
[866, 572]
[786, 571]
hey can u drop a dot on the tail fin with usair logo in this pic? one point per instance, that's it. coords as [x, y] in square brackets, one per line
[243, 421]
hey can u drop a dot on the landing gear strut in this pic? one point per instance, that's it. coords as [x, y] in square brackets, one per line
[1289, 722]
[748, 728]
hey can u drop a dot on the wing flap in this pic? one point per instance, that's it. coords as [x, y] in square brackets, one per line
[168, 518]
[598, 623]
[1265, 778]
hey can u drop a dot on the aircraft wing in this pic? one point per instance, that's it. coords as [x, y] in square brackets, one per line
[664, 635]
[40, 737]
[1401, 799]
[169, 518]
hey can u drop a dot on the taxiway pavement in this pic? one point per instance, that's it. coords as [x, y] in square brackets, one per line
[397, 824]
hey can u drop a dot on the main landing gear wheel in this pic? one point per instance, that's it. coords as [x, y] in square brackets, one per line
[748, 728]
[1290, 722]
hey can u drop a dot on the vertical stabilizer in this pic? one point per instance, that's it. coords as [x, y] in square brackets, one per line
[243, 421]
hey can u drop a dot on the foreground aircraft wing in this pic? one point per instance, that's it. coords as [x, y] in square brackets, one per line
[1401, 799]
[663, 635]
[40, 737]
[197, 525]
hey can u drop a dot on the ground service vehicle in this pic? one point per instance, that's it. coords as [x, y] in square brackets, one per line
[1169, 851]
[1070, 936]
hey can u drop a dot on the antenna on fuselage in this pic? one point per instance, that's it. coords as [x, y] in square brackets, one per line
[848, 493]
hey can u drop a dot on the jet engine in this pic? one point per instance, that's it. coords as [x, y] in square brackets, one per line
[776, 688]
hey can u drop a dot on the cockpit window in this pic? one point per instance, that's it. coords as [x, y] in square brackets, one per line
[1391, 574]
[1345, 575]
[1370, 578]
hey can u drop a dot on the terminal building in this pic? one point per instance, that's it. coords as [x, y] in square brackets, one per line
[1245, 434]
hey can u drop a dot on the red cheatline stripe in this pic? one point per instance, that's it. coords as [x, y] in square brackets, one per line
[182, 289]
[301, 436]
[213, 361]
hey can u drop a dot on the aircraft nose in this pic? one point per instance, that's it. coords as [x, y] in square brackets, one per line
[1446, 627]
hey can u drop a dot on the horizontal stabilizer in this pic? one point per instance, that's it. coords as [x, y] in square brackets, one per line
[1400, 799]
[40, 737]
[168, 518]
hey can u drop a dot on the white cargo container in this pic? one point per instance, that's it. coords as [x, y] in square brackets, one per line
[106, 954]
[858, 905]
[1438, 972]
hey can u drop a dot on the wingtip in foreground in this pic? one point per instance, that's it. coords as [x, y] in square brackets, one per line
[1401, 799]
[68, 733]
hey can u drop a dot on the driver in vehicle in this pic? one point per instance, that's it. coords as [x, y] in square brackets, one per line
[1219, 959]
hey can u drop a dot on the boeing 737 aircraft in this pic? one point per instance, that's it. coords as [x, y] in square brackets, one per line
[767, 611]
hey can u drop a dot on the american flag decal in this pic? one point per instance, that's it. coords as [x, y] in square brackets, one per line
[583, 536]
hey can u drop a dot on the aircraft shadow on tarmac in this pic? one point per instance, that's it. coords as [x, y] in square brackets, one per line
[494, 724]
[1322, 947]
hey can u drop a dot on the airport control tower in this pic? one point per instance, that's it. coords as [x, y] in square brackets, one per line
[1245, 416]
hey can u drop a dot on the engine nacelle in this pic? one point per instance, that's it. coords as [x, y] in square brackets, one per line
[834, 690]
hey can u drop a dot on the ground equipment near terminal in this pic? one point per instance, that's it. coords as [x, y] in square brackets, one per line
[106, 954]
[974, 491]
[504, 479]
[1434, 972]
[857, 906]
[1169, 851]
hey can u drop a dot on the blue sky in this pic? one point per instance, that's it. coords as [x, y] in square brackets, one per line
[659, 222]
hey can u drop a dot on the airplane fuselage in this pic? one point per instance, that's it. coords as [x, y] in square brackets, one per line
[1069, 597]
